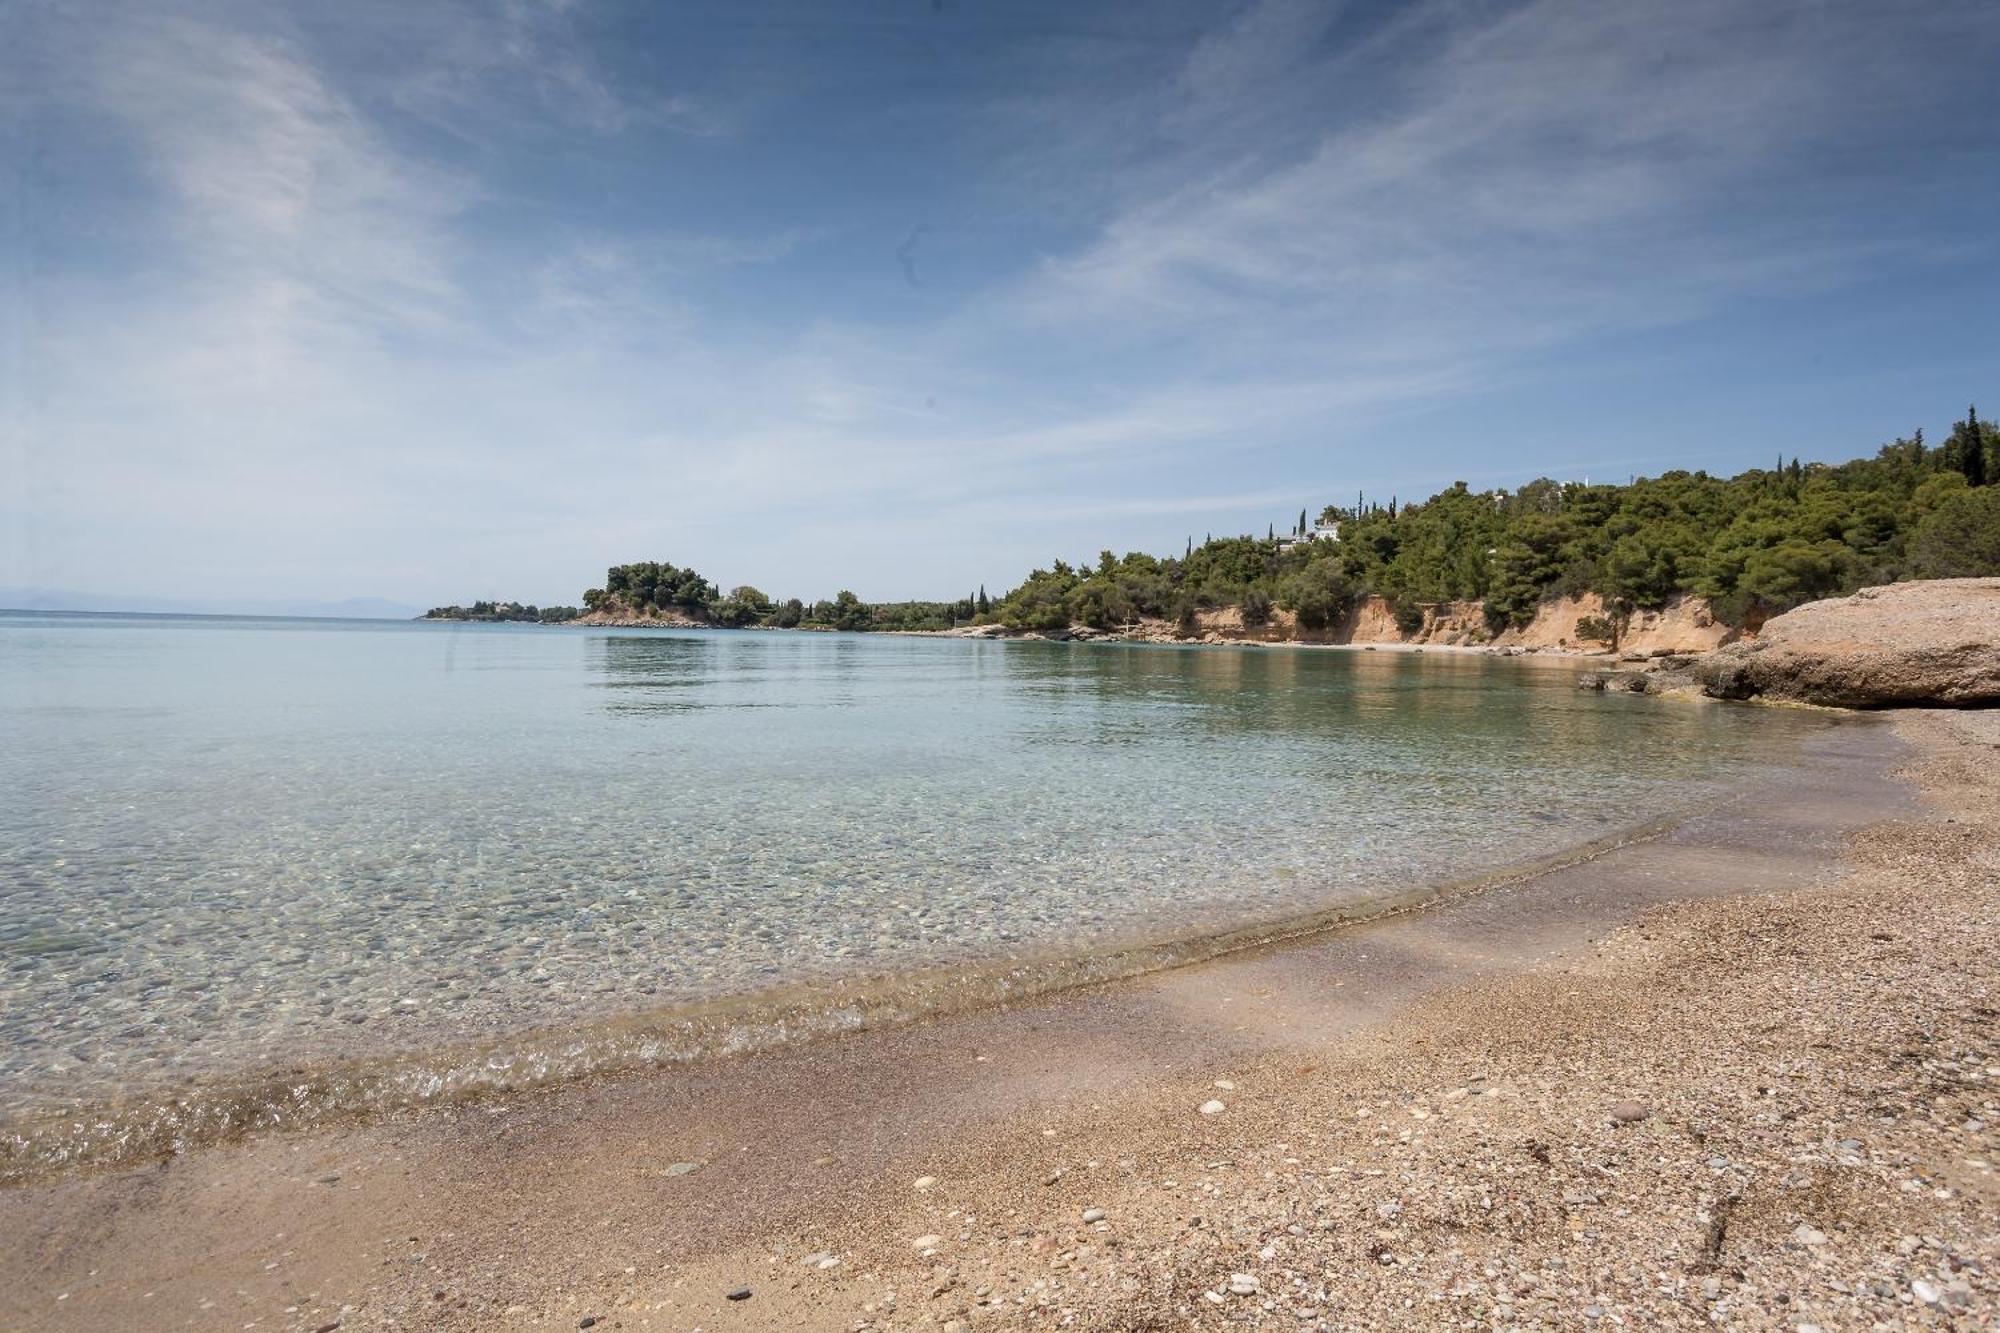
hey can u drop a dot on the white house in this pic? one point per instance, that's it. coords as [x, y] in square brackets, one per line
[1326, 530]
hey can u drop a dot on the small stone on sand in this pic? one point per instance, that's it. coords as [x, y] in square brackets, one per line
[1212, 1107]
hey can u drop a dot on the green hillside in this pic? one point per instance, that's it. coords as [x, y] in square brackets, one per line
[1754, 544]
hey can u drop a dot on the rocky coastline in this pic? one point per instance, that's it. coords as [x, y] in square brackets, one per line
[1924, 643]
[1927, 644]
[600, 620]
[1684, 625]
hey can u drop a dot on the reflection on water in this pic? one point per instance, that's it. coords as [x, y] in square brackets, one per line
[234, 844]
[656, 674]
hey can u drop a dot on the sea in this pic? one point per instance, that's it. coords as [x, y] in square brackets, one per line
[259, 872]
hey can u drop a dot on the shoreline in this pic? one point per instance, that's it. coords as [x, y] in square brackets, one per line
[177, 1121]
[1078, 634]
[573, 1203]
[995, 634]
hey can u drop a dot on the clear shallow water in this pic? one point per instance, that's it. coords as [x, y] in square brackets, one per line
[235, 854]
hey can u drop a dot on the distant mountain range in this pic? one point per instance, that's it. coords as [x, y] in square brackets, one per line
[15, 598]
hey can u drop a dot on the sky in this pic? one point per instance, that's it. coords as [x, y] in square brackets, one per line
[433, 300]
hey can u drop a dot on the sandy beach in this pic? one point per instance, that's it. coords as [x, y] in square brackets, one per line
[1744, 1074]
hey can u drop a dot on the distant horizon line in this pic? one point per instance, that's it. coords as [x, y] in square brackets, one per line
[32, 598]
[196, 615]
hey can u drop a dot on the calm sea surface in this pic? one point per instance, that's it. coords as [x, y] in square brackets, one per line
[238, 854]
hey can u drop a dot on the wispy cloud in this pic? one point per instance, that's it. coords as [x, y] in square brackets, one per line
[344, 261]
[287, 227]
[1517, 180]
[484, 71]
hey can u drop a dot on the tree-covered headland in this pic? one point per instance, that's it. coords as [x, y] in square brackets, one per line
[652, 589]
[1754, 544]
[506, 611]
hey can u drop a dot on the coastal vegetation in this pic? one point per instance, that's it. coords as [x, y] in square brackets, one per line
[650, 590]
[505, 611]
[1754, 544]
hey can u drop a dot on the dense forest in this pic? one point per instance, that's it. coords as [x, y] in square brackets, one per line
[505, 611]
[1753, 544]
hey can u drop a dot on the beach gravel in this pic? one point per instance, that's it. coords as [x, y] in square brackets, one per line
[1813, 1150]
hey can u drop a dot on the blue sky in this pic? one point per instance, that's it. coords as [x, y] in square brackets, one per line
[436, 300]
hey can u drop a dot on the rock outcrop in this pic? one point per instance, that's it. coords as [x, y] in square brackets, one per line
[1934, 643]
[616, 613]
[1683, 625]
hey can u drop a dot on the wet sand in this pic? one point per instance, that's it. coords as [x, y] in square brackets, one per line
[547, 1209]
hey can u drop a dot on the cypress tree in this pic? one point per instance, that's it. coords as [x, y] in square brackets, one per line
[1972, 451]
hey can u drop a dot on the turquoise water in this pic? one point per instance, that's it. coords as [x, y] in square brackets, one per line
[234, 850]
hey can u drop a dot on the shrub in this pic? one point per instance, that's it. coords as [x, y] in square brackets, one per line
[1597, 629]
